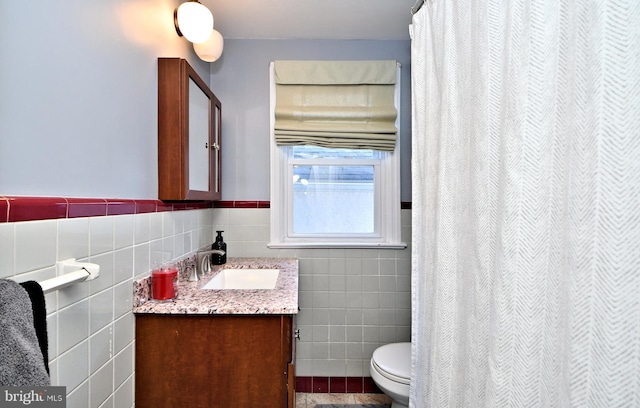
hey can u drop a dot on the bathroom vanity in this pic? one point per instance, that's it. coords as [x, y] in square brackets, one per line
[219, 348]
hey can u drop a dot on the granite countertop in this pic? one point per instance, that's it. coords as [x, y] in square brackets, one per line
[193, 300]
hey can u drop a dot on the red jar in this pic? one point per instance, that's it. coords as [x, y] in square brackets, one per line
[164, 283]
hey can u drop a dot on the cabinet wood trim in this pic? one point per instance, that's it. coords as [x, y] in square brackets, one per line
[173, 133]
[210, 362]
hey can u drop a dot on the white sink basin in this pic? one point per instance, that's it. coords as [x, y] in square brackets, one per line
[244, 279]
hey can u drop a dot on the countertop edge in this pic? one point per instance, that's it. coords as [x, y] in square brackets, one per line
[192, 300]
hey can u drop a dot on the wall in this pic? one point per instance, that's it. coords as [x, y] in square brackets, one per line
[241, 80]
[91, 324]
[78, 116]
[351, 300]
[78, 113]
[78, 119]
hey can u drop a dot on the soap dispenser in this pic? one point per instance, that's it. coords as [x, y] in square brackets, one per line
[222, 246]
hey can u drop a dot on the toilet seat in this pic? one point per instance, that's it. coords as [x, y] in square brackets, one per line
[393, 361]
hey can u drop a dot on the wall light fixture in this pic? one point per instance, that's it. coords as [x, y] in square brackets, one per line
[194, 21]
[211, 49]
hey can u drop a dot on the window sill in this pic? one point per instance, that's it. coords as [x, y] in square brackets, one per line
[342, 245]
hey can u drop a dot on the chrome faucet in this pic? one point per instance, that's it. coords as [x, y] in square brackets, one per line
[203, 264]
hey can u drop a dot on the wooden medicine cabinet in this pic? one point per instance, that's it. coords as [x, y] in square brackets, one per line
[189, 130]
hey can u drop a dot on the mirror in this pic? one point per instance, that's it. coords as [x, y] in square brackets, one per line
[198, 138]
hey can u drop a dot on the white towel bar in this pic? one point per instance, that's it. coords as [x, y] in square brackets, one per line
[69, 272]
[65, 280]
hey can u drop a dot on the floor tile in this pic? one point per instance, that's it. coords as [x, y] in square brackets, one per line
[310, 400]
[301, 400]
[372, 399]
[329, 398]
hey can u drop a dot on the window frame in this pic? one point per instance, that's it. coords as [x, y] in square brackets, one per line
[387, 228]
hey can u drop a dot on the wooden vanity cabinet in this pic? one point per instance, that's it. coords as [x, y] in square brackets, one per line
[223, 361]
[189, 133]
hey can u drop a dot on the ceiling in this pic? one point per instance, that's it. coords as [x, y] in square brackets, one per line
[312, 19]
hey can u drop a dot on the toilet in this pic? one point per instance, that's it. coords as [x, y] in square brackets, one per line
[390, 369]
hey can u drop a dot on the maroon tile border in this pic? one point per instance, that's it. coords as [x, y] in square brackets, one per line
[121, 207]
[86, 207]
[16, 208]
[146, 206]
[405, 205]
[192, 205]
[241, 204]
[354, 384]
[36, 208]
[304, 384]
[320, 384]
[161, 206]
[4, 209]
[369, 386]
[337, 385]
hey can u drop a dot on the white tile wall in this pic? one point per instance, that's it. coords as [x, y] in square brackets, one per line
[90, 325]
[351, 300]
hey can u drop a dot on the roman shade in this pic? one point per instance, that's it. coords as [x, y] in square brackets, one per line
[336, 104]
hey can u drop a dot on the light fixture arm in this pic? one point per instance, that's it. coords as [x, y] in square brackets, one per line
[175, 22]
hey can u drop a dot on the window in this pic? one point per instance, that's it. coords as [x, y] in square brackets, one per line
[334, 197]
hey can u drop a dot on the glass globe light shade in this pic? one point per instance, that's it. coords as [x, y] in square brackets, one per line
[211, 49]
[194, 21]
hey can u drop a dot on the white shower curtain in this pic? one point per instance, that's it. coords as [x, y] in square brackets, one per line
[526, 203]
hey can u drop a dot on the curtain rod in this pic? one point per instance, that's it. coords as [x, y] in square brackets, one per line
[417, 6]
